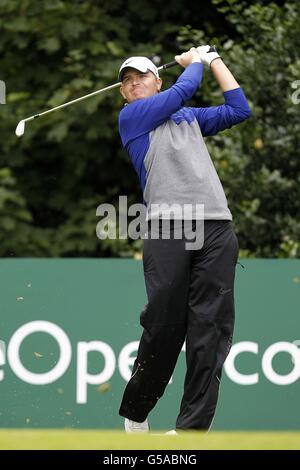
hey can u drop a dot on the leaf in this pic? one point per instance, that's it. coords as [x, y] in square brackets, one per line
[58, 132]
[51, 44]
[13, 97]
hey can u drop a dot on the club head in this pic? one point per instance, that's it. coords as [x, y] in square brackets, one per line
[20, 128]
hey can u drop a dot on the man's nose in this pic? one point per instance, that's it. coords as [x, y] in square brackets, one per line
[135, 80]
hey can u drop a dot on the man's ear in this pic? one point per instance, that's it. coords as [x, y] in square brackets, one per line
[158, 83]
[122, 93]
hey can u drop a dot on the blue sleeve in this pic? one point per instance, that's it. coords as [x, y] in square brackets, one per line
[217, 118]
[144, 115]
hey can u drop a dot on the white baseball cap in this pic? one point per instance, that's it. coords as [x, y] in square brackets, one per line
[140, 63]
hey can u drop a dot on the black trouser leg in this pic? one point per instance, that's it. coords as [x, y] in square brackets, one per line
[166, 270]
[210, 324]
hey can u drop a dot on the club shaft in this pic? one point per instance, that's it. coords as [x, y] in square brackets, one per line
[168, 65]
[110, 87]
[73, 101]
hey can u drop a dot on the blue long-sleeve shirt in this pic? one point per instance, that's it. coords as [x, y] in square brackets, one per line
[149, 127]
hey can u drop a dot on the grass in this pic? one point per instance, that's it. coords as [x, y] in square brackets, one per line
[12, 439]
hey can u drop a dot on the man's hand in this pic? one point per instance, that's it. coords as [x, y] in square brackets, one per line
[187, 58]
[207, 54]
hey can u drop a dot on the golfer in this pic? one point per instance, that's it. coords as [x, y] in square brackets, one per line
[190, 291]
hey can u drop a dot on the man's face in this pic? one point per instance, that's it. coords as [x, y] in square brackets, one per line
[136, 85]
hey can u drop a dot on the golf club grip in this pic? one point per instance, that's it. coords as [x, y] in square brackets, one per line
[171, 64]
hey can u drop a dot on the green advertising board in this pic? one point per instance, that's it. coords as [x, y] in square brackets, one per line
[69, 331]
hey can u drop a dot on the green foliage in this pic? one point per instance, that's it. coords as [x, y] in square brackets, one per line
[66, 164]
[258, 161]
[14, 215]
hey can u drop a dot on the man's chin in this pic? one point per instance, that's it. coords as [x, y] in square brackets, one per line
[135, 98]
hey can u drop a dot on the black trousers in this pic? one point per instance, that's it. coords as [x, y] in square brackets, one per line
[190, 298]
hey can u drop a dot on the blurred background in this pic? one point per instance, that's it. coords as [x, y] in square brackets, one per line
[55, 176]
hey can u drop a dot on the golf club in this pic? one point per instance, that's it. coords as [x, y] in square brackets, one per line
[20, 129]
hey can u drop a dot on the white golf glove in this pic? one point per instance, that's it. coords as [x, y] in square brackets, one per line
[207, 54]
